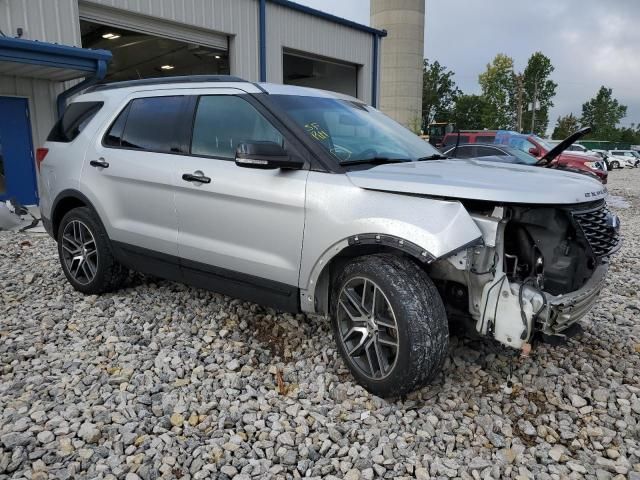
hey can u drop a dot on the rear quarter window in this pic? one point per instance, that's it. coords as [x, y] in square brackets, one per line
[75, 118]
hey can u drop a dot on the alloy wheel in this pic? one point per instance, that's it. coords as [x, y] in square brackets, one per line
[368, 327]
[79, 252]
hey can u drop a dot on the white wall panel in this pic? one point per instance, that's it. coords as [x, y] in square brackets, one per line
[287, 28]
[45, 20]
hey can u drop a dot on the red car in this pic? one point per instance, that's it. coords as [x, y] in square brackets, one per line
[547, 155]
[556, 156]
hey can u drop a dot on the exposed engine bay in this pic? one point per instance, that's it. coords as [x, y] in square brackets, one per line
[537, 269]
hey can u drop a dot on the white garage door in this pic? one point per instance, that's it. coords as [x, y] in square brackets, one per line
[152, 26]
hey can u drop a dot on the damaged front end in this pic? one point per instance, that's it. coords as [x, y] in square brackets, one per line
[539, 270]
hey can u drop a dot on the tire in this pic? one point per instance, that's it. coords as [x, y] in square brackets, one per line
[615, 165]
[405, 293]
[86, 255]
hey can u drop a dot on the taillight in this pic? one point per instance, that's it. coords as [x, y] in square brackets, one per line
[41, 153]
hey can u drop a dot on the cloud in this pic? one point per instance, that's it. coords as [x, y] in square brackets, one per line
[590, 42]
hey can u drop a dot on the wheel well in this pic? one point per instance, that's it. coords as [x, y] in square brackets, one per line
[324, 285]
[63, 206]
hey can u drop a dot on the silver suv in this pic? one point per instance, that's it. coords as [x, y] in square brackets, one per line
[314, 202]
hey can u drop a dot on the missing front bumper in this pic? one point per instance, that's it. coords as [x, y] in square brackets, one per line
[565, 310]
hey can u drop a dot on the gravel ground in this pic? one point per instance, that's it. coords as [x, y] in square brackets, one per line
[160, 379]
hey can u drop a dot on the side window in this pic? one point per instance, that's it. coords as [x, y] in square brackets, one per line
[75, 118]
[152, 124]
[485, 138]
[524, 145]
[464, 152]
[148, 124]
[222, 122]
[487, 151]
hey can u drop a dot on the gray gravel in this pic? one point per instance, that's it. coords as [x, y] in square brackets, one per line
[161, 380]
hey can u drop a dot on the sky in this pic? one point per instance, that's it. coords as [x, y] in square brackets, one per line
[590, 42]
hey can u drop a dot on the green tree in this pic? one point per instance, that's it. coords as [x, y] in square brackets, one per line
[565, 126]
[498, 83]
[629, 134]
[468, 112]
[540, 88]
[603, 113]
[439, 92]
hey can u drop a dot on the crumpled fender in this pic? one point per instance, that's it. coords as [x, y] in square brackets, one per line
[340, 214]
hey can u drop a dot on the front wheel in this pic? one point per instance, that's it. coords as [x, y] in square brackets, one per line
[389, 323]
[615, 165]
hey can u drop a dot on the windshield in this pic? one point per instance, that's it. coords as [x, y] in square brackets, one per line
[351, 131]
[437, 130]
[523, 157]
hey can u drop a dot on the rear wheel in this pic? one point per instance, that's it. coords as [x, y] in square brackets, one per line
[615, 164]
[389, 324]
[85, 253]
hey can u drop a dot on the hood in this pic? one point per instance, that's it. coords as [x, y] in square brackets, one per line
[566, 143]
[577, 157]
[481, 180]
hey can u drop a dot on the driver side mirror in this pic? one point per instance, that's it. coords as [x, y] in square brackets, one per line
[265, 156]
[534, 151]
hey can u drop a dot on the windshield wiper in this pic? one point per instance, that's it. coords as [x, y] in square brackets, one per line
[435, 156]
[375, 160]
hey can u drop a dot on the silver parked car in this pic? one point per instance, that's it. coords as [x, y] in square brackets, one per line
[314, 202]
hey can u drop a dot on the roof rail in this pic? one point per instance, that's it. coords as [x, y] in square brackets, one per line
[164, 80]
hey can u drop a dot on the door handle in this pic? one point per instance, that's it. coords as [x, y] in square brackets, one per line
[101, 163]
[200, 178]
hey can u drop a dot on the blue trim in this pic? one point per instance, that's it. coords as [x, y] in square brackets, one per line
[263, 40]
[18, 50]
[374, 72]
[88, 63]
[61, 100]
[328, 16]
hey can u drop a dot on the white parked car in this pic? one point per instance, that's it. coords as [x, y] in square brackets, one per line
[575, 147]
[623, 158]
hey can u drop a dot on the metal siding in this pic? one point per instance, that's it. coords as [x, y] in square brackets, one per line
[57, 21]
[47, 21]
[287, 28]
[236, 18]
[44, 20]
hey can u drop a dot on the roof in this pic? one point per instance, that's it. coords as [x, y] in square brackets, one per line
[205, 81]
[329, 17]
[165, 81]
[34, 59]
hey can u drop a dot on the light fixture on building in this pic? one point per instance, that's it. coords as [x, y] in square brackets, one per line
[167, 67]
[111, 36]
[217, 57]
